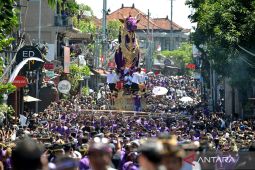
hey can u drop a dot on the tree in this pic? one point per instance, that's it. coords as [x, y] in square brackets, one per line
[181, 56]
[224, 29]
[84, 21]
[113, 27]
[76, 74]
[8, 22]
[53, 3]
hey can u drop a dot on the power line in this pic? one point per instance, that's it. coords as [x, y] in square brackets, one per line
[242, 48]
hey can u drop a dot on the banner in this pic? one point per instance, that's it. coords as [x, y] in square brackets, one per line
[66, 59]
[191, 66]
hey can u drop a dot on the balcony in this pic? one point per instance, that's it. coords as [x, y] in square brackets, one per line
[63, 21]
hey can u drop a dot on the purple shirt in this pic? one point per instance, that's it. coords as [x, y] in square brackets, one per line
[84, 163]
[130, 166]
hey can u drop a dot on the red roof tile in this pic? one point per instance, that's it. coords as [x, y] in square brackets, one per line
[98, 22]
[157, 23]
[165, 24]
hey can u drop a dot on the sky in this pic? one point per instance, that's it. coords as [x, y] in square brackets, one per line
[158, 8]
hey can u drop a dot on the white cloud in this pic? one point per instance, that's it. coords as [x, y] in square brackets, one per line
[159, 8]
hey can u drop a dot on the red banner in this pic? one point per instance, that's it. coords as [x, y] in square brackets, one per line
[49, 66]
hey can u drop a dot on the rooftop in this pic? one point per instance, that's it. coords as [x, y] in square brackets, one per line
[155, 23]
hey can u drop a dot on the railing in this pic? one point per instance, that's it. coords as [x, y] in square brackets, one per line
[62, 21]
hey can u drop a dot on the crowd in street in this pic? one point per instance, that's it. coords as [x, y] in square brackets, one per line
[66, 137]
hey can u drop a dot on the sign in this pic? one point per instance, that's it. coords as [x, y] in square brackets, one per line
[64, 86]
[191, 66]
[28, 52]
[50, 74]
[66, 59]
[197, 76]
[49, 66]
[20, 81]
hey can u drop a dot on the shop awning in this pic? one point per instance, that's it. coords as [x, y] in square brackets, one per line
[30, 99]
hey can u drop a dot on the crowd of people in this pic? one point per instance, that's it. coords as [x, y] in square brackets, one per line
[72, 134]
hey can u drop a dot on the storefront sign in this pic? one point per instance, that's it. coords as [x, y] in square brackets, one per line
[28, 52]
[20, 81]
[64, 86]
[50, 74]
[49, 66]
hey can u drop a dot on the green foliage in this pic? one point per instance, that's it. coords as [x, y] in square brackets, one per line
[72, 8]
[181, 56]
[113, 27]
[85, 91]
[53, 3]
[86, 25]
[222, 27]
[76, 76]
[85, 71]
[8, 23]
[85, 8]
[4, 108]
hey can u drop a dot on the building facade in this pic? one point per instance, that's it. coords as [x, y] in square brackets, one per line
[55, 26]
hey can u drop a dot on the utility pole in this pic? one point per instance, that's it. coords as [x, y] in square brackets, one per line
[37, 90]
[151, 48]
[147, 61]
[104, 37]
[171, 40]
[97, 50]
[40, 21]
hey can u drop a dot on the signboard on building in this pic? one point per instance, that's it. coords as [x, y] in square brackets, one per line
[50, 74]
[51, 52]
[20, 81]
[66, 59]
[28, 52]
[191, 66]
[49, 66]
[64, 86]
[197, 75]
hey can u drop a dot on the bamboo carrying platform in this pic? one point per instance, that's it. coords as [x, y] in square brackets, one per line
[125, 102]
[113, 112]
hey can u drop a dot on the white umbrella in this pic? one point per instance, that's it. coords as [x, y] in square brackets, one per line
[30, 99]
[150, 73]
[186, 99]
[158, 91]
